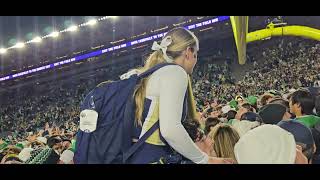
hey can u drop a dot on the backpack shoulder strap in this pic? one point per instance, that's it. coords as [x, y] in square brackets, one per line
[138, 144]
[154, 68]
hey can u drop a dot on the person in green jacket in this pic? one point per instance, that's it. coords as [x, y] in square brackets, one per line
[301, 105]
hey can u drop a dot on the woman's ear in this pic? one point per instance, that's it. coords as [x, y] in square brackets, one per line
[188, 52]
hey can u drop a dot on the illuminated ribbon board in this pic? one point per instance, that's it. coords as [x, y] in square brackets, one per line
[110, 49]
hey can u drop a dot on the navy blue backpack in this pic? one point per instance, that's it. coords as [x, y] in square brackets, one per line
[111, 142]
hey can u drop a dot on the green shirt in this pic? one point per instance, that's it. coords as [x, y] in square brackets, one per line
[309, 120]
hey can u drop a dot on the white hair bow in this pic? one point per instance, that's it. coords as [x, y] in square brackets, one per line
[163, 47]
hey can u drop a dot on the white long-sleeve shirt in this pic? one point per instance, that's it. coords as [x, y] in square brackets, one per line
[169, 85]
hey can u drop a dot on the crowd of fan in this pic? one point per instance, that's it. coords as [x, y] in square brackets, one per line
[42, 129]
[288, 65]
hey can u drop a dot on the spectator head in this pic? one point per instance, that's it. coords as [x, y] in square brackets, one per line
[198, 136]
[301, 103]
[239, 99]
[280, 101]
[180, 46]
[225, 109]
[55, 142]
[265, 99]
[66, 143]
[317, 105]
[246, 107]
[210, 124]
[302, 135]
[267, 144]
[252, 100]
[274, 113]
[251, 116]
[224, 137]
[231, 114]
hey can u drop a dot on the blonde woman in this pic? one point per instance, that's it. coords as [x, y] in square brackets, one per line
[161, 97]
[224, 138]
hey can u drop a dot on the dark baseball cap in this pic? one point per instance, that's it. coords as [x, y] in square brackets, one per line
[300, 132]
[272, 113]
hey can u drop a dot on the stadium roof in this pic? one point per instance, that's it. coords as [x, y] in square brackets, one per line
[107, 33]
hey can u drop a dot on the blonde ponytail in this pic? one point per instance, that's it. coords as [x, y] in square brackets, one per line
[140, 91]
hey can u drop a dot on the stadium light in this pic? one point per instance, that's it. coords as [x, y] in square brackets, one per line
[19, 45]
[92, 22]
[36, 39]
[113, 17]
[3, 50]
[54, 34]
[72, 28]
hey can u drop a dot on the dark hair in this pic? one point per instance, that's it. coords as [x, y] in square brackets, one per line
[231, 114]
[192, 127]
[280, 101]
[53, 140]
[317, 105]
[210, 110]
[66, 139]
[247, 106]
[264, 99]
[304, 99]
[210, 122]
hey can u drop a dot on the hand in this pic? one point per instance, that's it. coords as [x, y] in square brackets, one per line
[300, 157]
[216, 160]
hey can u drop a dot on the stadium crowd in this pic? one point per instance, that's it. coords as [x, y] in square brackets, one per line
[41, 129]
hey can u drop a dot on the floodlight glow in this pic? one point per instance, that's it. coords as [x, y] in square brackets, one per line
[2, 51]
[92, 22]
[72, 28]
[54, 34]
[36, 39]
[19, 45]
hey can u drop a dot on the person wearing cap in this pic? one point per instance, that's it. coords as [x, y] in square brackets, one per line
[251, 116]
[301, 105]
[55, 143]
[243, 108]
[252, 100]
[239, 99]
[302, 135]
[231, 115]
[268, 144]
[243, 126]
[274, 113]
